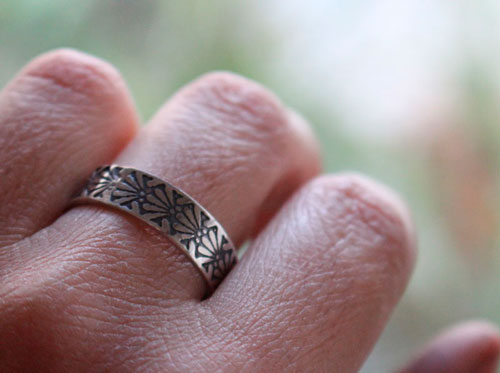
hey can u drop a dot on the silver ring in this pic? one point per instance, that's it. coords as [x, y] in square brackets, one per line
[170, 210]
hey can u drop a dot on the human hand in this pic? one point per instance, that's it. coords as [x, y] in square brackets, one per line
[91, 289]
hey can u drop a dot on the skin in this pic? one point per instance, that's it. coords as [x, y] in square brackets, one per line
[87, 288]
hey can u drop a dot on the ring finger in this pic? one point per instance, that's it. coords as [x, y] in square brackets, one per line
[224, 140]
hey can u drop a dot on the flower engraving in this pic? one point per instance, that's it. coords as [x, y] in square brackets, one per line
[208, 245]
[218, 259]
[165, 205]
[104, 179]
[190, 221]
[133, 189]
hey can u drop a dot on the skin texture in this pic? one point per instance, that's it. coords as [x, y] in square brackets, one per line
[87, 288]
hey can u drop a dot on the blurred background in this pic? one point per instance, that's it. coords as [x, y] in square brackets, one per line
[406, 91]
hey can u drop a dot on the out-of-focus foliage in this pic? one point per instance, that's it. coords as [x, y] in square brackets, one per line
[405, 91]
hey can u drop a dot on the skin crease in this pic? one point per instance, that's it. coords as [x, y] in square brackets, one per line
[91, 289]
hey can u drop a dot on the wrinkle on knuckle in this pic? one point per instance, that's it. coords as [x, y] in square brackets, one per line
[247, 112]
[364, 222]
[238, 97]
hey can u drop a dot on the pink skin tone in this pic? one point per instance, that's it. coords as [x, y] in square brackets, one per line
[91, 289]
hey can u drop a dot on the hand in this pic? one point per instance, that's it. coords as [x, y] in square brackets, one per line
[88, 288]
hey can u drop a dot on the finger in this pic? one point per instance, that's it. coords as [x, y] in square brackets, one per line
[472, 347]
[61, 116]
[225, 141]
[316, 288]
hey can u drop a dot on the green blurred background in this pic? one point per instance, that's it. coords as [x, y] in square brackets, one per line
[405, 91]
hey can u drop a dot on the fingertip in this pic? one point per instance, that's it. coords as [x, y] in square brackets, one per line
[470, 347]
[485, 338]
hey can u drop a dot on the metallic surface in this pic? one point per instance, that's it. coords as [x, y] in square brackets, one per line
[170, 210]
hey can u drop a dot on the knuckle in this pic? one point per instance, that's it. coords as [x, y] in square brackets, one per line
[241, 105]
[370, 215]
[72, 73]
[62, 92]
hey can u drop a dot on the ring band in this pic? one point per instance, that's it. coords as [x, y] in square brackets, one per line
[170, 210]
